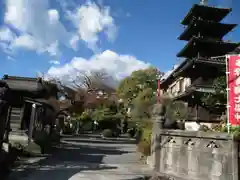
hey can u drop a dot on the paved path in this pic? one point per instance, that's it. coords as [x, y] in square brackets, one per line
[85, 158]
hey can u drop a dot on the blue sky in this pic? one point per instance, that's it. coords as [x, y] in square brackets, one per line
[63, 38]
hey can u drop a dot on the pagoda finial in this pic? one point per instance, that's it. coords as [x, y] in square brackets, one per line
[204, 2]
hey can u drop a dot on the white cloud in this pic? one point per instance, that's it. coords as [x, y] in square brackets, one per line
[90, 20]
[11, 58]
[6, 34]
[53, 16]
[74, 42]
[26, 41]
[40, 26]
[54, 62]
[37, 22]
[118, 66]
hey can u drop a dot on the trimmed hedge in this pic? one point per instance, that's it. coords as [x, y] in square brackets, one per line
[107, 133]
[110, 122]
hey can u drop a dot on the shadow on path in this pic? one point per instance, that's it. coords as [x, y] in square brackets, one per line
[68, 159]
[103, 141]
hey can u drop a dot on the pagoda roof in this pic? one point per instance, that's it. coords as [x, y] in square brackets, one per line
[168, 79]
[211, 13]
[207, 47]
[188, 63]
[207, 29]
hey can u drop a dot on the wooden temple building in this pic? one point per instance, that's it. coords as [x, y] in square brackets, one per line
[32, 106]
[203, 60]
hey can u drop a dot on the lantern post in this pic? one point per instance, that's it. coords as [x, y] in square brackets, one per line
[158, 86]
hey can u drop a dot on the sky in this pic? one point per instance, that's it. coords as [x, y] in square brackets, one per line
[61, 38]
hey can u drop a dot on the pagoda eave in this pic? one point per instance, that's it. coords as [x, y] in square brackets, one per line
[193, 91]
[207, 29]
[203, 46]
[194, 66]
[205, 12]
[168, 80]
[185, 68]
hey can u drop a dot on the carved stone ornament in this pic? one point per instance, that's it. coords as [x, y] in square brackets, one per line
[171, 140]
[189, 142]
[212, 144]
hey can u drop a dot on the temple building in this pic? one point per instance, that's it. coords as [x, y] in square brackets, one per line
[33, 105]
[203, 59]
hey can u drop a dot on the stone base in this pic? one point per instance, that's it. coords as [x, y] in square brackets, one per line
[19, 139]
[150, 162]
[33, 148]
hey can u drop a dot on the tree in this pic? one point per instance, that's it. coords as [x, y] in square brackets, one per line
[139, 80]
[142, 104]
[128, 89]
[219, 97]
[86, 89]
[147, 77]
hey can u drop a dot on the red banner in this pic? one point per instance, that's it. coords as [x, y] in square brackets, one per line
[233, 67]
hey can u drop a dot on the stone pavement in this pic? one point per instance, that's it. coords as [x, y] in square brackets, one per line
[88, 157]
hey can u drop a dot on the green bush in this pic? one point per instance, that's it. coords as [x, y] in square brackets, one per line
[116, 132]
[131, 132]
[85, 117]
[87, 126]
[110, 122]
[144, 136]
[107, 133]
[144, 148]
[235, 130]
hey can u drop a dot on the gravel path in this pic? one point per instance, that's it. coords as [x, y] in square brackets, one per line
[85, 158]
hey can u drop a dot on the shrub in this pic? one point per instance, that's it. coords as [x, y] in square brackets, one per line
[144, 148]
[87, 126]
[107, 133]
[143, 136]
[235, 130]
[55, 137]
[116, 132]
[146, 135]
[131, 132]
[110, 122]
[138, 135]
[85, 117]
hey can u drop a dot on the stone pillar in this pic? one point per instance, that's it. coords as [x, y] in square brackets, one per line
[158, 118]
[235, 158]
[31, 124]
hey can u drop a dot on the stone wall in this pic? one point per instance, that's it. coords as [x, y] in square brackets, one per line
[195, 155]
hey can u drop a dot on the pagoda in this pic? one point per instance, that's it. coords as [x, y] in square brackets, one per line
[203, 55]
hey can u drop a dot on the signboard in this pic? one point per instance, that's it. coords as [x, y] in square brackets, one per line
[233, 83]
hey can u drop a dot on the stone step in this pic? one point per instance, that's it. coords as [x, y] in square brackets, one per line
[15, 125]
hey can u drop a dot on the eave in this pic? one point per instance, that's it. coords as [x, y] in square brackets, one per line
[205, 13]
[170, 77]
[209, 47]
[39, 102]
[191, 90]
[188, 63]
[206, 29]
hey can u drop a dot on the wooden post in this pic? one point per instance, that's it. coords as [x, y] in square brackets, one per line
[22, 116]
[32, 120]
[8, 124]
